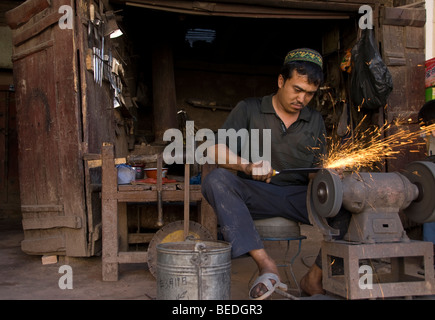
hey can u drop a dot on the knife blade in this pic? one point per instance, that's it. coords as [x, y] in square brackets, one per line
[296, 170]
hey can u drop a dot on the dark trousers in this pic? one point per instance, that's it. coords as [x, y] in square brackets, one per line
[237, 202]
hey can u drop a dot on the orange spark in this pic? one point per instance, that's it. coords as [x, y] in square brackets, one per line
[372, 145]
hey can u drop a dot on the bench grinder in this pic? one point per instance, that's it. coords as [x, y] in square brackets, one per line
[375, 230]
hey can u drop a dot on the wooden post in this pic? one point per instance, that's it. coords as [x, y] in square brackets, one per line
[164, 97]
[109, 214]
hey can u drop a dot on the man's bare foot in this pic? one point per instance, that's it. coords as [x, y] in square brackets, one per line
[311, 283]
[265, 265]
[260, 289]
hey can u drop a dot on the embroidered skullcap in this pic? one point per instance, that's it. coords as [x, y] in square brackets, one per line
[304, 54]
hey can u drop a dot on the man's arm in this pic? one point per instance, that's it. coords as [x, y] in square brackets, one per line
[225, 158]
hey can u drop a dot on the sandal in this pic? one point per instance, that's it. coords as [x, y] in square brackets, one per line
[265, 279]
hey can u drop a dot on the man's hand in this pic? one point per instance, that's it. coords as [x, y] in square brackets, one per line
[261, 170]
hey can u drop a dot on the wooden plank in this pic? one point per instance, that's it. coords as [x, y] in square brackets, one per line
[140, 237]
[415, 37]
[135, 187]
[416, 80]
[167, 195]
[41, 208]
[20, 36]
[404, 16]
[394, 58]
[21, 54]
[52, 244]
[133, 257]
[393, 38]
[142, 158]
[149, 186]
[52, 222]
[3, 147]
[71, 176]
[37, 129]
[9, 183]
[25, 11]
[258, 8]
[97, 163]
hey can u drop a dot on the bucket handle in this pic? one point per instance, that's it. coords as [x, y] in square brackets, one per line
[198, 261]
[200, 246]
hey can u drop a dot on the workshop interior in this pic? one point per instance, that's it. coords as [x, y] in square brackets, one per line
[97, 84]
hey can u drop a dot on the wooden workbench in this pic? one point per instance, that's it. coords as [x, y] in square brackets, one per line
[114, 212]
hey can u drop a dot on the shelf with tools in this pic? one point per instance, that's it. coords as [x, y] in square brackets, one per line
[102, 56]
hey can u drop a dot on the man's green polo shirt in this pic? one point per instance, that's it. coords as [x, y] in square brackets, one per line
[299, 146]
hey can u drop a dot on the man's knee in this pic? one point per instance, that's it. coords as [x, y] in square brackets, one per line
[215, 178]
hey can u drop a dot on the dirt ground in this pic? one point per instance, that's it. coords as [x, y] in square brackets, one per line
[24, 277]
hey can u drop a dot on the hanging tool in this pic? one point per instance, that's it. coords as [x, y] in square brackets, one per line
[91, 35]
[96, 42]
[102, 56]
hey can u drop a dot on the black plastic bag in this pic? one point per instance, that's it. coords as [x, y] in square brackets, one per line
[371, 81]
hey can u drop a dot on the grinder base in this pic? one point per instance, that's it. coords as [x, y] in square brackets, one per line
[352, 284]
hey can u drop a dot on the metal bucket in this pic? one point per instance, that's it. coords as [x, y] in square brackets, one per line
[194, 270]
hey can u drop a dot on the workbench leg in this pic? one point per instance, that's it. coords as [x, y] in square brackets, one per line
[109, 214]
[122, 226]
[110, 240]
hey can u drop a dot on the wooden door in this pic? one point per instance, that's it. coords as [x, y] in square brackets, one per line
[403, 49]
[9, 188]
[53, 203]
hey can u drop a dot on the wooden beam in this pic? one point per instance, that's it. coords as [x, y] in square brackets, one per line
[258, 8]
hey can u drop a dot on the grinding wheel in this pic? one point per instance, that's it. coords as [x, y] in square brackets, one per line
[173, 232]
[422, 174]
[327, 193]
[324, 198]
